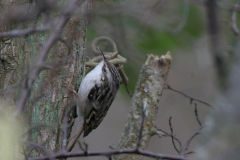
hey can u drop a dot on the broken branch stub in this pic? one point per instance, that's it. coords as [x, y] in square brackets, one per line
[146, 96]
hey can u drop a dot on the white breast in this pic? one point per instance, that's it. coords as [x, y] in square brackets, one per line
[87, 83]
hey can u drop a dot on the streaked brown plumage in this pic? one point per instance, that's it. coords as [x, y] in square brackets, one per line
[96, 94]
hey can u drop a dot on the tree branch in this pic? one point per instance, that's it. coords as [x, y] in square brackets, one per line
[185, 95]
[196, 114]
[185, 147]
[147, 94]
[171, 129]
[24, 32]
[172, 136]
[109, 153]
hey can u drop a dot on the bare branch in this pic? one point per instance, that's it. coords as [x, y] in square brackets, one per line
[83, 148]
[185, 147]
[170, 125]
[172, 136]
[41, 148]
[191, 152]
[24, 32]
[196, 114]
[185, 95]
[109, 153]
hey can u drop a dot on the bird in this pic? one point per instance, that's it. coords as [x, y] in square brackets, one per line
[96, 94]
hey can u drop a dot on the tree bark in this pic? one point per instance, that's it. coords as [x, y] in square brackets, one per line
[51, 94]
[145, 100]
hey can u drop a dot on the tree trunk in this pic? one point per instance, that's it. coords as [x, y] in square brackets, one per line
[51, 94]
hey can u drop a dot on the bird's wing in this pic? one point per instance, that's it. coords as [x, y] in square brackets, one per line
[100, 99]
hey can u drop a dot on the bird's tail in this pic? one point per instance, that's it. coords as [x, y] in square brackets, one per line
[73, 140]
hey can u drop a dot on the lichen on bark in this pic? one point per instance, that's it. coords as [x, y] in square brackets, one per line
[146, 97]
[50, 94]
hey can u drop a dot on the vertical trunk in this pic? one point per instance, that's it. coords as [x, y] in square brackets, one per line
[51, 96]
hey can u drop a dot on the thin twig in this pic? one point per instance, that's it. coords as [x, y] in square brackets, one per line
[85, 148]
[196, 114]
[191, 152]
[111, 147]
[80, 145]
[41, 148]
[24, 32]
[110, 152]
[174, 145]
[185, 147]
[185, 95]
[172, 136]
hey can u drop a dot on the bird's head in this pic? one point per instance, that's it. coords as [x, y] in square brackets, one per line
[108, 68]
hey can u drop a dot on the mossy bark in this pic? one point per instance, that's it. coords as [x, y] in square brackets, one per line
[146, 97]
[51, 96]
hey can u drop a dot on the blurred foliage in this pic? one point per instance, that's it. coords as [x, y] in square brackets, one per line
[139, 37]
[10, 133]
[163, 41]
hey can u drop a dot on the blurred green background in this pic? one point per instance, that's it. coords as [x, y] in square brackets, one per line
[141, 28]
[155, 27]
